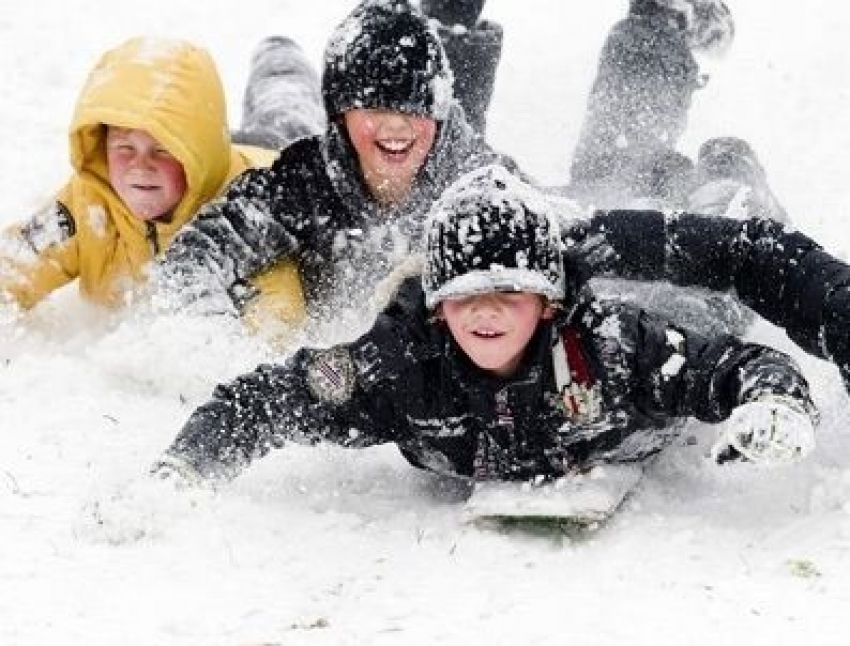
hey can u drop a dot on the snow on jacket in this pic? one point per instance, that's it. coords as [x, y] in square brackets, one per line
[172, 90]
[780, 273]
[405, 381]
[313, 205]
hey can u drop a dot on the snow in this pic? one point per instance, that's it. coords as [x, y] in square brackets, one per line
[676, 361]
[323, 546]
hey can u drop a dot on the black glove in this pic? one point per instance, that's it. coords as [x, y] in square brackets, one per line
[453, 12]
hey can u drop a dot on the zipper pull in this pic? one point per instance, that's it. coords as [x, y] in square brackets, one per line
[153, 238]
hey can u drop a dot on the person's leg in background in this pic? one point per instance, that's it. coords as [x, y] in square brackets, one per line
[474, 47]
[283, 100]
[637, 110]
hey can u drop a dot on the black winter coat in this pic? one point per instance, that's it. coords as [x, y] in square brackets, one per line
[313, 204]
[631, 376]
[780, 273]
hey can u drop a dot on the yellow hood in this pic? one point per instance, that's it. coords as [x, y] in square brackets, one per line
[172, 90]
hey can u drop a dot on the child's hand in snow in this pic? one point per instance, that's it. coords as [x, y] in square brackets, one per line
[771, 431]
[178, 472]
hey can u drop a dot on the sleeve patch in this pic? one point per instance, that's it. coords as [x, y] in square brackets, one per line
[52, 226]
[330, 375]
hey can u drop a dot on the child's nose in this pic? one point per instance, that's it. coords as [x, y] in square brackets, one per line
[142, 161]
[487, 304]
[396, 122]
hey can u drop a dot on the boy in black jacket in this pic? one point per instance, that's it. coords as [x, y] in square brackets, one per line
[348, 204]
[491, 367]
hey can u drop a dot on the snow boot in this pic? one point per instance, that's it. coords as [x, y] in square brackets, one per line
[708, 24]
[283, 100]
[453, 12]
[731, 181]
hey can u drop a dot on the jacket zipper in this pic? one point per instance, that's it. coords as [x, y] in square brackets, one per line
[153, 238]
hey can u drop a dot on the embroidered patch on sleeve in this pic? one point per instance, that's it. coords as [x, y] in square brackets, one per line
[52, 226]
[330, 375]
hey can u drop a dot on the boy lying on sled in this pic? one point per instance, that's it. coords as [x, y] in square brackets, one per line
[495, 366]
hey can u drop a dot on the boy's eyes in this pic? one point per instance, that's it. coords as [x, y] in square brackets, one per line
[119, 144]
[127, 147]
[504, 296]
[511, 296]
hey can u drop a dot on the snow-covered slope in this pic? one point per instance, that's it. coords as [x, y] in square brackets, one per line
[323, 546]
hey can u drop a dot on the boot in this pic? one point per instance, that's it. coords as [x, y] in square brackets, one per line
[453, 12]
[283, 100]
[708, 24]
[731, 181]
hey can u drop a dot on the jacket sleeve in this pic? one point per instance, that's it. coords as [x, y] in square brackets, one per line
[781, 274]
[680, 373]
[228, 242]
[346, 394]
[836, 329]
[38, 256]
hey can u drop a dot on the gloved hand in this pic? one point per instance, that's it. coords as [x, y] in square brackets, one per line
[453, 12]
[177, 471]
[771, 431]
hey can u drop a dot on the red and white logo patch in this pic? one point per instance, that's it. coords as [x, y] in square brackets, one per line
[330, 375]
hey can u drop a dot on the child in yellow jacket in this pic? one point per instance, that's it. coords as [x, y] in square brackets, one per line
[149, 145]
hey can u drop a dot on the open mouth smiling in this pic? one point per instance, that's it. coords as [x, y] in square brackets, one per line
[395, 147]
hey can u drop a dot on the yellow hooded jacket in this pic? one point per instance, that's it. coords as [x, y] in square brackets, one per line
[172, 90]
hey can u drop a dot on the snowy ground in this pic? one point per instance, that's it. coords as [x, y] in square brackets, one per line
[322, 546]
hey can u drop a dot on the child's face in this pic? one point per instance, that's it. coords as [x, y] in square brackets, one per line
[391, 148]
[494, 329]
[149, 180]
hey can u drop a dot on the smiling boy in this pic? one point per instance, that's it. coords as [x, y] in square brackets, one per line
[348, 204]
[391, 148]
[494, 329]
[490, 366]
[144, 174]
[145, 159]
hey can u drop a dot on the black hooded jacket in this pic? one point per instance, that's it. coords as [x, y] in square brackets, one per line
[632, 376]
[312, 204]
